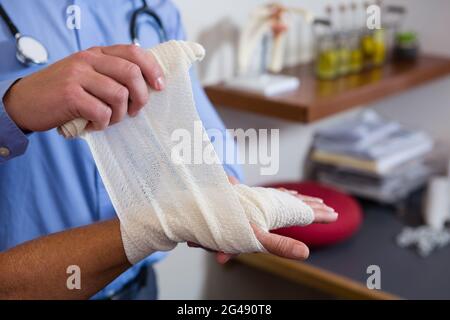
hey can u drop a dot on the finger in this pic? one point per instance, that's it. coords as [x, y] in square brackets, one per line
[109, 91]
[318, 205]
[92, 109]
[281, 246]
[308, 198]
[301, 196]
[126, 73]
[150, 68]
[323, 216]
[223, 258]
[322, 212]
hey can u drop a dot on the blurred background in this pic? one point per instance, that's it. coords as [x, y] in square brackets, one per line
[218, 25]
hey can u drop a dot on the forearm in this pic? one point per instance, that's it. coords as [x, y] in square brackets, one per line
[38, 269]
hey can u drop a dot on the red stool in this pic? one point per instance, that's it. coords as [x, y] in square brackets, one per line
[319, 235]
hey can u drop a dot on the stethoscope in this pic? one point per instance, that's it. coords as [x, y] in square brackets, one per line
[30, 51]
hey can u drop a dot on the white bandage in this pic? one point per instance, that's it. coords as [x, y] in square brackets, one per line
[161, 202]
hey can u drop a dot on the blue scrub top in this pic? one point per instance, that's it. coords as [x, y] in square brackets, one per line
[49, 184]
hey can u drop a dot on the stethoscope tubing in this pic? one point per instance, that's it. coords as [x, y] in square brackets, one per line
[157, 25]
[145, 9]
[11, 26]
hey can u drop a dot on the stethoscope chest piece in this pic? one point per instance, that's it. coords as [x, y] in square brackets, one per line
[30, 51]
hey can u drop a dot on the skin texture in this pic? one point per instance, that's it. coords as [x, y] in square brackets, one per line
[37, 269]
[100, 84]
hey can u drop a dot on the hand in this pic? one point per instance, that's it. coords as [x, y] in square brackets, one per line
[279, 245]
[290, 248]
[100, 85]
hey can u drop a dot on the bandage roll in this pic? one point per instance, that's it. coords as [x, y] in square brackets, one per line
[161, 202]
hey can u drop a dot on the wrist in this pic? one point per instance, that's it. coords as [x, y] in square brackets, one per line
[12, 107]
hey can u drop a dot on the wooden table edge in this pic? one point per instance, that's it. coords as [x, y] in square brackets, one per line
[314, 277]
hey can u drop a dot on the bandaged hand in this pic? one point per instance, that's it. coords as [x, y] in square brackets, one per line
[280, 245]
[161, 202]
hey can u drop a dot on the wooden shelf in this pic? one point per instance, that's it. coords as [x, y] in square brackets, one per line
[317, 99]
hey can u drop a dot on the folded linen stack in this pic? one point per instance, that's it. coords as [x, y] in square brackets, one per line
[372, 157]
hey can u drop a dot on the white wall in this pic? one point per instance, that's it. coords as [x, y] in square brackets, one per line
[191, 274]
[217, 28]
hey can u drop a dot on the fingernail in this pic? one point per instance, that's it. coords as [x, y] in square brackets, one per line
[299, 252]
[133, 114]
[159, 84]
[293, 191]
